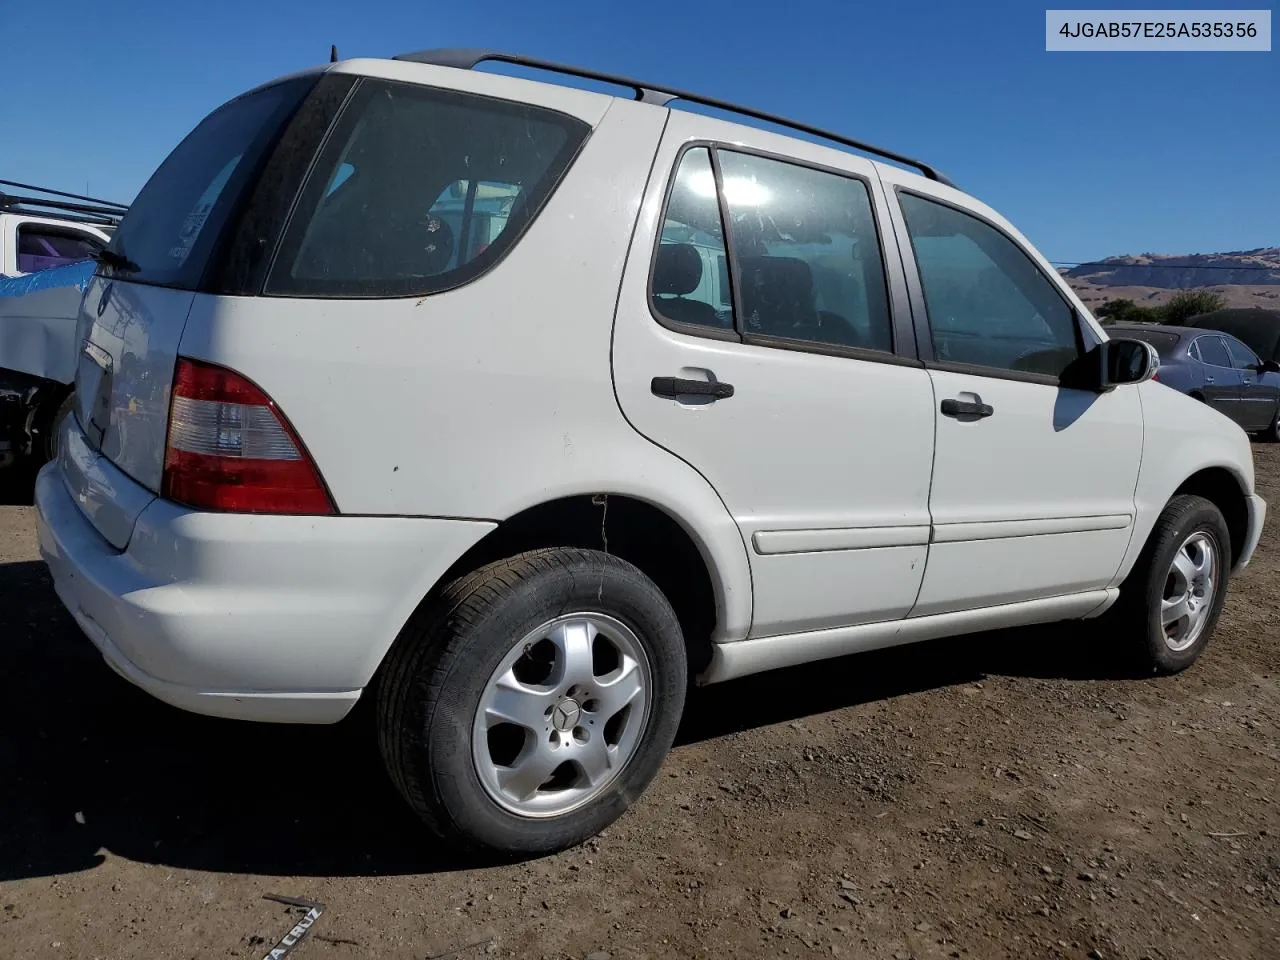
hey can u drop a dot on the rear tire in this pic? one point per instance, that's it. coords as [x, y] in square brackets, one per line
[529, 705]
[1170, 603]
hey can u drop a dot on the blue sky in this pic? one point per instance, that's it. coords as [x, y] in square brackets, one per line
[1088, 154]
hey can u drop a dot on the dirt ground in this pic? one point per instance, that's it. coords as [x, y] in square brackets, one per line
[1007, 795]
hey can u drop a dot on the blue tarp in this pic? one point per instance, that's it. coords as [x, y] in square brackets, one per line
[68, 275]
[38, 320]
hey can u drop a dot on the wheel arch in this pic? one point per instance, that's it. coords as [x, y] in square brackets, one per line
[1221, 487]
[697, 566]
[1220, 484]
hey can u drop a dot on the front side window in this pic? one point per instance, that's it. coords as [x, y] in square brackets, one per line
[690, 272]
[1242, 358]
[988, 304]
[1213, 351]
[41, 247]
[419, 190]
[805, 244]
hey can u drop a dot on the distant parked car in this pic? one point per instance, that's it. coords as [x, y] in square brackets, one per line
[1257, 327]
[1217, 369]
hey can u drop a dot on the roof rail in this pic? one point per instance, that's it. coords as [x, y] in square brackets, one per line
[57, 203]
[467, 59]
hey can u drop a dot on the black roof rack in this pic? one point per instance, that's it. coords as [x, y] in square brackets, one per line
[43, 202]
[465, 59]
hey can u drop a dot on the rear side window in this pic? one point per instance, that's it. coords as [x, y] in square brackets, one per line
[420, 190]
[41, 247]
[690, 275]
[170, 231]
[805, 244]
[1213, 351]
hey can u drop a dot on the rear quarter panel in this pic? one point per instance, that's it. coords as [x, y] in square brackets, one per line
[1181, 374]
[494, 397]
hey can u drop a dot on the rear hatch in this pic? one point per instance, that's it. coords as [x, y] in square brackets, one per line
[133, 313]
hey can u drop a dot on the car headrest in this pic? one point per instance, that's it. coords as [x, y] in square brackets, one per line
[678, 269]
[777, 291]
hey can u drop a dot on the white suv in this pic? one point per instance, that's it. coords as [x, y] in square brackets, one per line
[515, 406]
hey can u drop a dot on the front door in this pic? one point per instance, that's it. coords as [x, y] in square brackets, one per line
[773, 365]
[1258, 397]
[1033, 483]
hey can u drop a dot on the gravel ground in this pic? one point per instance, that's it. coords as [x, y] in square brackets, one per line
[1007, 795]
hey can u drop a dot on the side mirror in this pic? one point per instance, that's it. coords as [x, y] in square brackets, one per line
[1269, 366]
[1129, 361]
[1112, 364]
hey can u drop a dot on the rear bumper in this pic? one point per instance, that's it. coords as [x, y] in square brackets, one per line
[1257, 510]
[280, 619]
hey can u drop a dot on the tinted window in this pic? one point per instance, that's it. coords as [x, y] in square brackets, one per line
[41, 247]
[1163, 342]
[1241, 356]
[804, 242]
[690, 276]
[1214, 351]
[988, 303]
[172, 226]
[390, 209]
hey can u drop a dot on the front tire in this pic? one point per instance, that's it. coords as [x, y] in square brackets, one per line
[1171, 601]
[528, 706]
[1272, 433]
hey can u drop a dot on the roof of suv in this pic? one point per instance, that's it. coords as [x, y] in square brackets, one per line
[659, 95]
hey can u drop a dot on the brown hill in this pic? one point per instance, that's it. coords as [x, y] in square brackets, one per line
[1241, 295]
[1259, 267]
[1244, 278]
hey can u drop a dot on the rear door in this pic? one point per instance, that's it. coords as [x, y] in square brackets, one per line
[1258, 396]
[133, 313]
[1222, 380]
[792, 387]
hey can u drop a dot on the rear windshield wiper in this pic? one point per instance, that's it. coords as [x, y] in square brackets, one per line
[116, 261]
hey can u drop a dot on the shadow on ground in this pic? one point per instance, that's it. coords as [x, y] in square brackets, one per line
[17, 485]
[156, 785]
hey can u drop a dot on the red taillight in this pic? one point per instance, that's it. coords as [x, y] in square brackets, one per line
[230, 448]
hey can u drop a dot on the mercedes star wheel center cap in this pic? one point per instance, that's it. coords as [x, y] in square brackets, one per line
[565, 715]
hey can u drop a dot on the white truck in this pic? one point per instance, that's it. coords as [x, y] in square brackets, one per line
[48, 240]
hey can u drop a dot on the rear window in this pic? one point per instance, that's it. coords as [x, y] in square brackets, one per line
[172, 227]
[1163, 342]
[419, 190]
